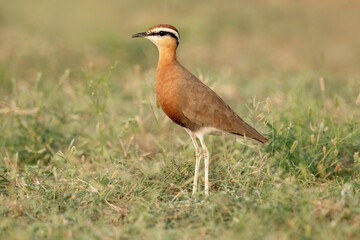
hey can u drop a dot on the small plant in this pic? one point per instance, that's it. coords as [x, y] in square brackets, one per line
[30, 128]
[97, 88]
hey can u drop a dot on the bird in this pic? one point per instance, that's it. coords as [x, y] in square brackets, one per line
[190, 103]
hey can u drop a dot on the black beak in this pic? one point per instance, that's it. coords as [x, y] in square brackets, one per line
[142, 34]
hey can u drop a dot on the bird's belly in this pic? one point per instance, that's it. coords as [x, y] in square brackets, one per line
[167, 99]
[209, 131]
[170, 110]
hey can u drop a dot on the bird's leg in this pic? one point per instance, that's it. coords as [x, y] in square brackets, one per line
[197, 163]
[206, 158]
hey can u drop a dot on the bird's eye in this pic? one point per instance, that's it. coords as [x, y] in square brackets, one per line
[161, 33]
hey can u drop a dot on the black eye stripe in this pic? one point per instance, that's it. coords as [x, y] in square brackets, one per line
[164, 33]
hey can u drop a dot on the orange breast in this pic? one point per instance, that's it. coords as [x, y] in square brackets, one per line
[166, 89]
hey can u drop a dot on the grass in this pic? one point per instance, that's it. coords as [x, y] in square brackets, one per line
[86, 154]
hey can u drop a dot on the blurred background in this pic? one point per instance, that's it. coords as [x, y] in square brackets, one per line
[242, 38]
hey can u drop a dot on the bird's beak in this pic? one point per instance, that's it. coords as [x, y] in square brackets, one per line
[142, 34]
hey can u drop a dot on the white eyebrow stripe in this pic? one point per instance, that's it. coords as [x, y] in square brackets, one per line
[156, 30]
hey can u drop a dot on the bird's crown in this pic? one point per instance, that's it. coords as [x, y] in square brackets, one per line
[164, 30]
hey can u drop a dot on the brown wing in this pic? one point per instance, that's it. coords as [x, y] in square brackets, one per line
[202, 107]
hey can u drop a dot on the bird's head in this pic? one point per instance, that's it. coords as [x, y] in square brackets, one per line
[162, 35]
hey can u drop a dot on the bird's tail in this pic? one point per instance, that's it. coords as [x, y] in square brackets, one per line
[252, 133]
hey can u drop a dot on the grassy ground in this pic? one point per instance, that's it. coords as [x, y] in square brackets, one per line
[86, 154]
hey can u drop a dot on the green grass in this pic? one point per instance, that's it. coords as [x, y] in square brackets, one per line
[86, 154]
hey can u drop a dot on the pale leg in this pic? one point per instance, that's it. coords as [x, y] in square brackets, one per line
[206, 158]
[197, 163]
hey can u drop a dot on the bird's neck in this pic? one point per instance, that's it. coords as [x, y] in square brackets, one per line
[167, 55]
[166, 68]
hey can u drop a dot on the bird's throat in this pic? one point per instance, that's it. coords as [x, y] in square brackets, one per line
[167, 55]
